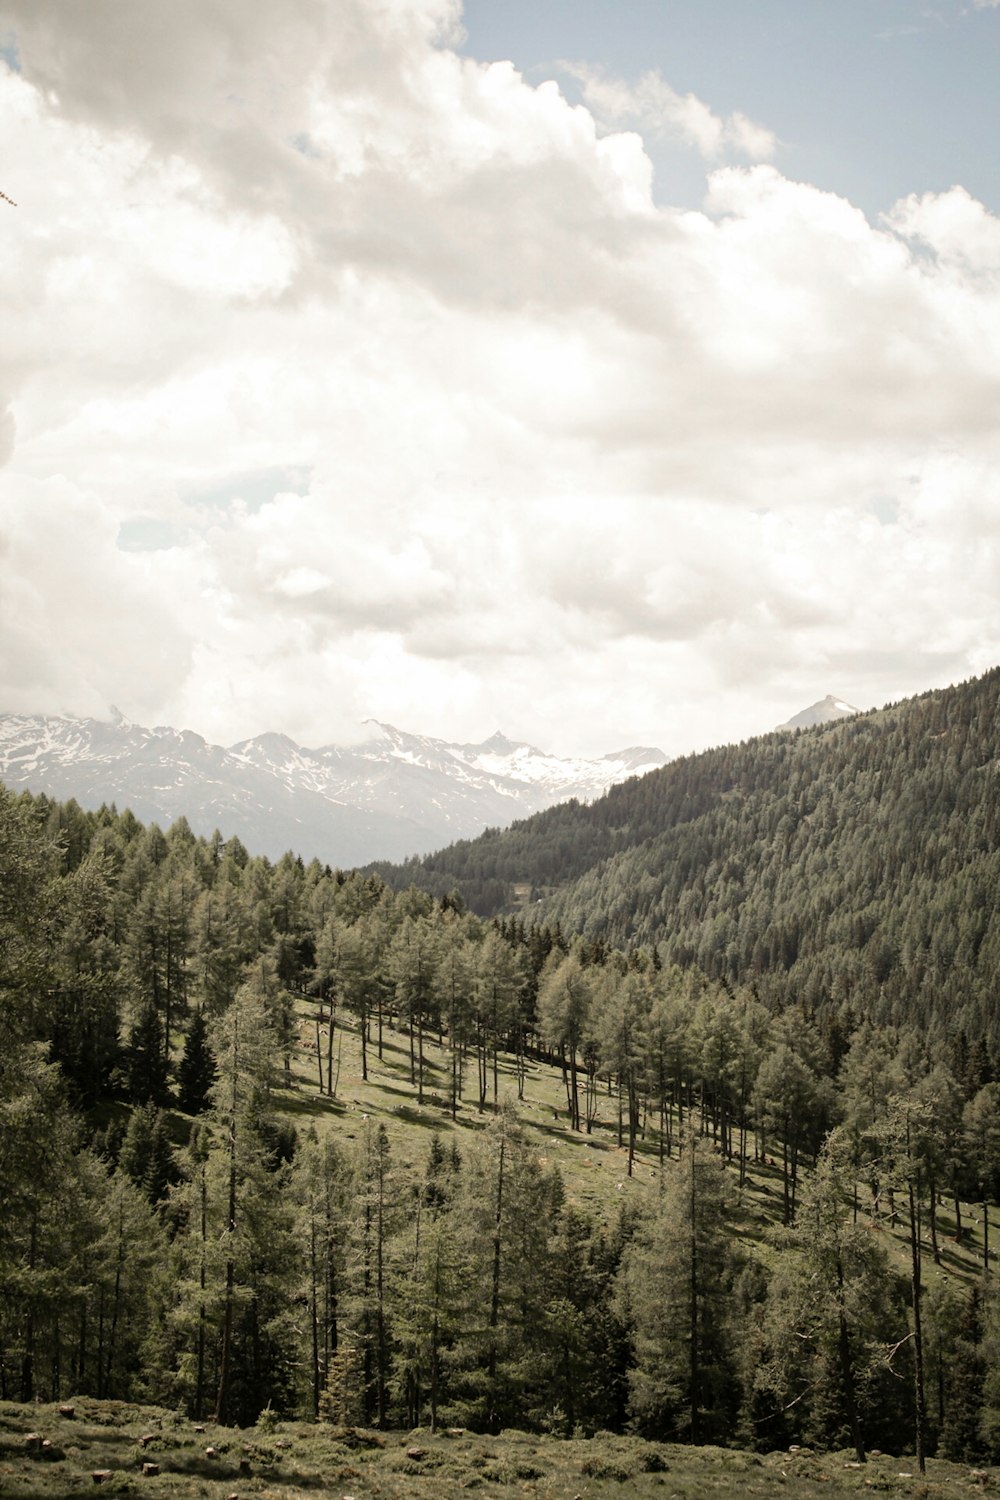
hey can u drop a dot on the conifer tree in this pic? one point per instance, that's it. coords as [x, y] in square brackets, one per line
[196, 1070]
[256, 1265]
[675, 1291]
[831, 1315]
[564, 1000]
[322, 1185]
[499, 1355]
[145, 1062]
[374, 1220]
[426, 1290]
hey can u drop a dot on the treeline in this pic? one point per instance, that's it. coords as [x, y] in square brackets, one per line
[855, 864]
[241, 1264]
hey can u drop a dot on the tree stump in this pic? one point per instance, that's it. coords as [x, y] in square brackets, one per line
[101, 1476]
[150, 1469]
[67, 1411]
[33, 1442]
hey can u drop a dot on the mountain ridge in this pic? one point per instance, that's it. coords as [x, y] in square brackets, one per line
[393, 796]
[825, 711]
[851, 866]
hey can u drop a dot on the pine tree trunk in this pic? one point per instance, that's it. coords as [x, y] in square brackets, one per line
[116, 1306]
[314, 1309]
[491, 1366]
[222, 1395]
[199, 1393]
[847, 1369]
[380, 1292]
[319, 1052]
[694, 1372]
[28, 1357]
[918, 1342]
[933, 1212]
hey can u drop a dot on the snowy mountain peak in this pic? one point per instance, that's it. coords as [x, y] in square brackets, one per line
[823, 712]
[499, 744]
[395, 795]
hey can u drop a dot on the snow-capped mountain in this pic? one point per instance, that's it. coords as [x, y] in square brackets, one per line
[395, 795]
[823, 712]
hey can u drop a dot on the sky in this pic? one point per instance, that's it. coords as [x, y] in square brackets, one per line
[604, 371]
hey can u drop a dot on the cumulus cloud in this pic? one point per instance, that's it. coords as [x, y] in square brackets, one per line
[348, 376]
[651, 106]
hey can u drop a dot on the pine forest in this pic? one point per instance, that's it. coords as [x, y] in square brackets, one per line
[675, 1116]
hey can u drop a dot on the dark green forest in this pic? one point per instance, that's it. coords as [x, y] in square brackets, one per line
[853, 868]
[775, 959]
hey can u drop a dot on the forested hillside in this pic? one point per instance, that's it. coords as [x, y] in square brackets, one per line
[853, 868]
[274, 1136]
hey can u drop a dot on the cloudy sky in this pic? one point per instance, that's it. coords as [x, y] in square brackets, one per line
[607, 371]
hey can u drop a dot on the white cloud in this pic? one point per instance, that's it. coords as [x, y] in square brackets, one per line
[653, 107]
[567, 461]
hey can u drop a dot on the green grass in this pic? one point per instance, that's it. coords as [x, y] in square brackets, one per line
[293, 1459]
[594, 1168]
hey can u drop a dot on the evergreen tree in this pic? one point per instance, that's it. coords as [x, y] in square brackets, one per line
[255, 1267]
[831, 1315]
[145, 1062]
[322, 1185]
[957, 1323]
[196, 1071]
[564, 1000]
[426, 1291]
[675, 1292]
[499, 1359]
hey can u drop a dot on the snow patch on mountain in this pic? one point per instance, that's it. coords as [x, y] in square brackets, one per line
[824, 712]
[393, 796]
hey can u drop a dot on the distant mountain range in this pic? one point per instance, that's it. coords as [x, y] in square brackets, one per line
[391, 797]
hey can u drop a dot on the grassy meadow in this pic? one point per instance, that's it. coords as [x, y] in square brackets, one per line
[594, 1168]
[279, 1460]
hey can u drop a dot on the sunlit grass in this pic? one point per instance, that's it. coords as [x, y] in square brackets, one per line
[294, 1459]
[594, 1167]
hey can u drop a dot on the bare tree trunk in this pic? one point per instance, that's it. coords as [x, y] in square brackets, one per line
[847, 1369]
[319, 1051]
[199, 1393]
[227, 1322]
[694, 1371]
[491, 1366]
[920, 1421]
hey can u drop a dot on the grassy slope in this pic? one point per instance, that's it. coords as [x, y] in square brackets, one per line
[593, 1168]
[298, 1459]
